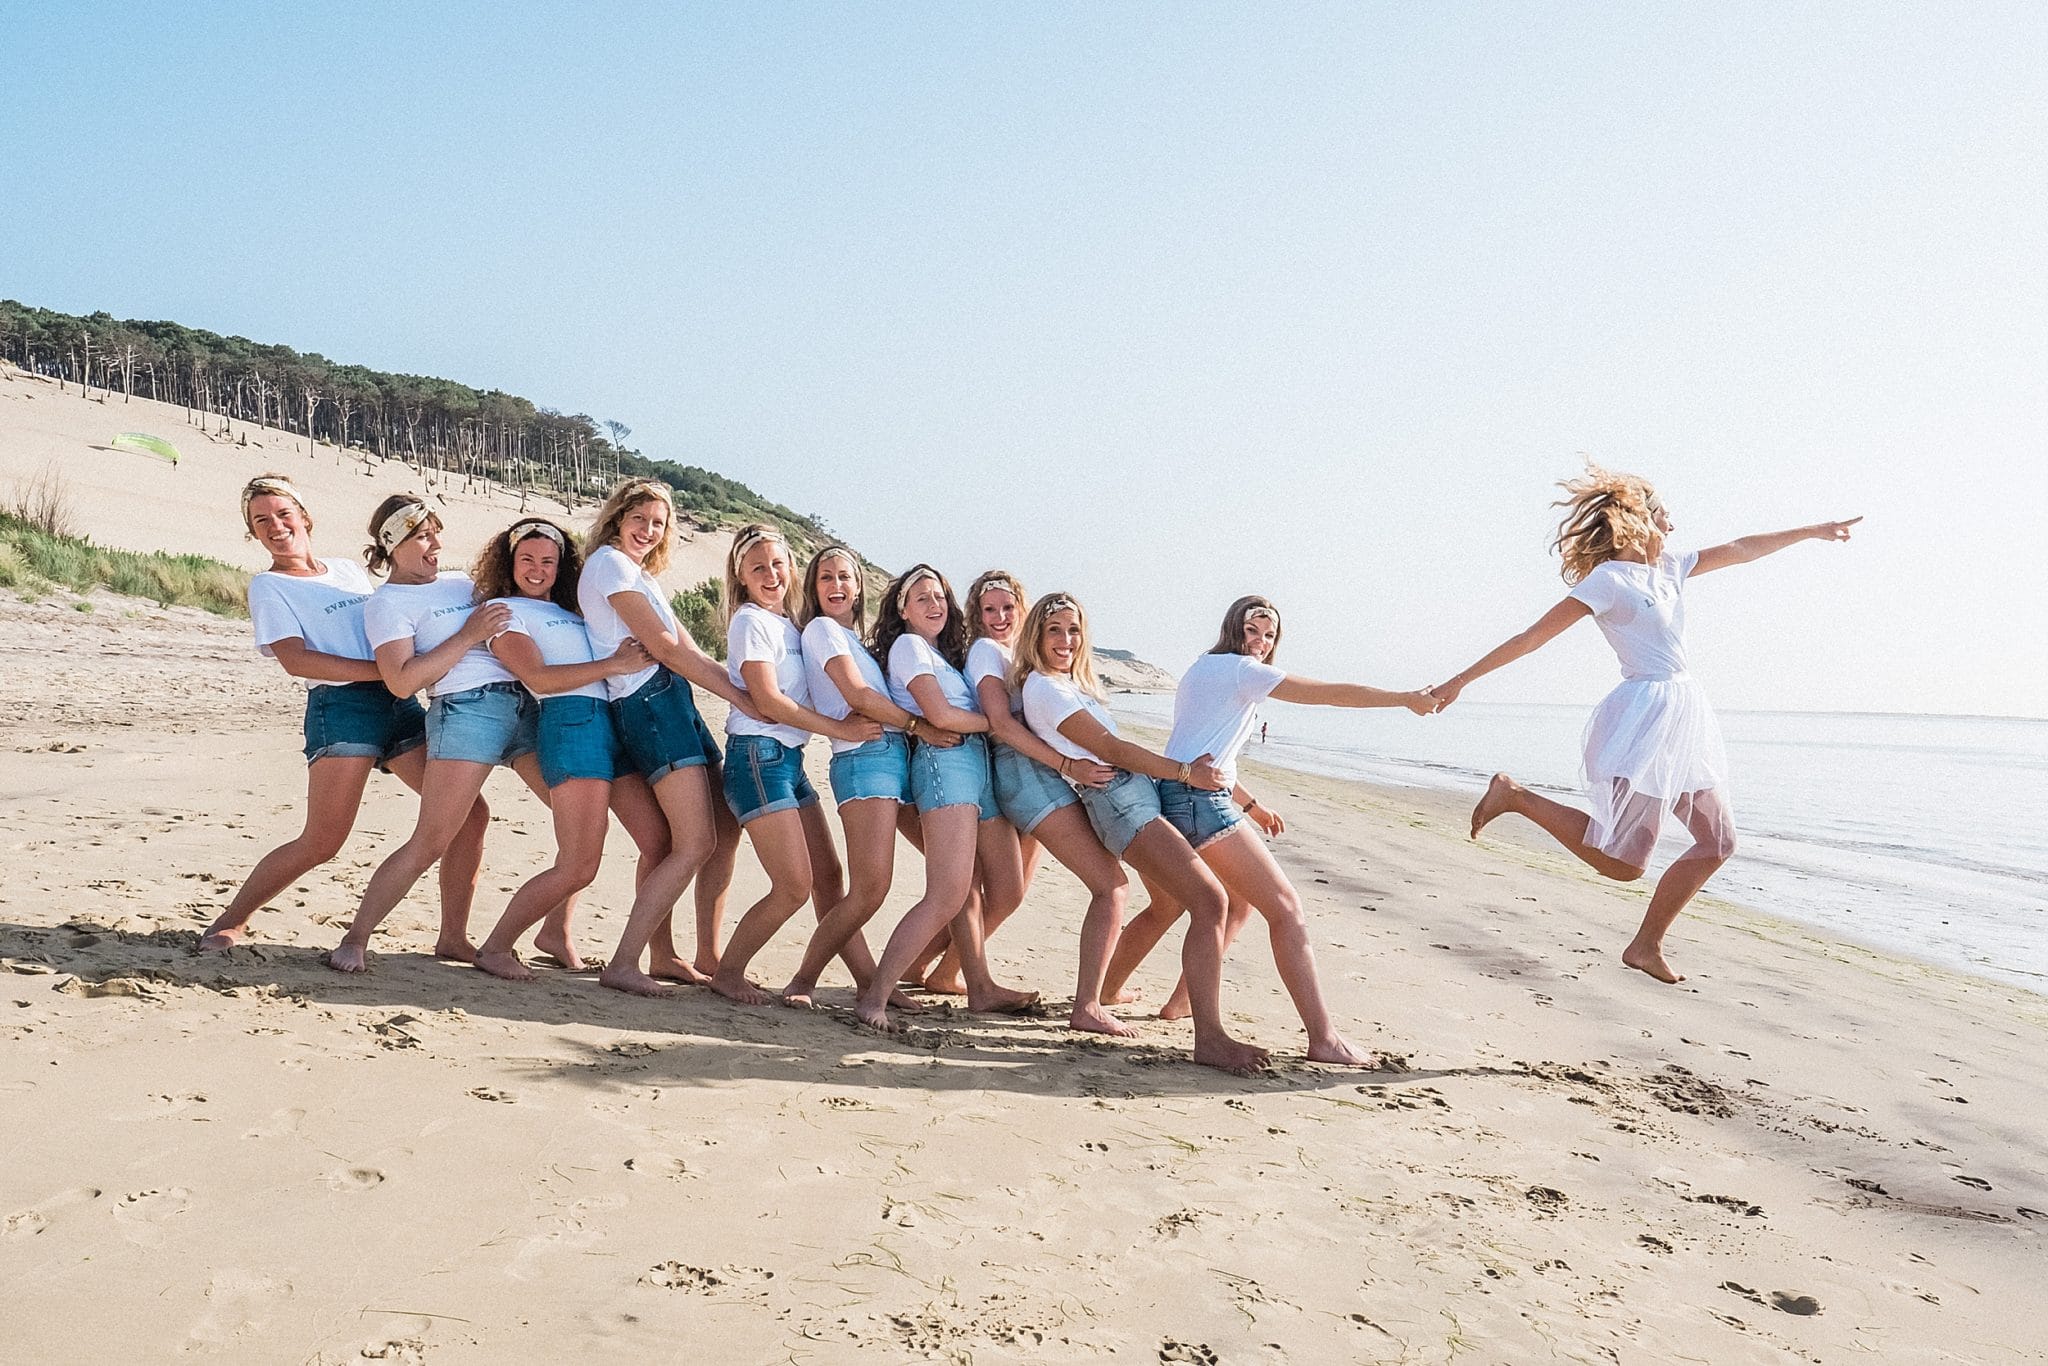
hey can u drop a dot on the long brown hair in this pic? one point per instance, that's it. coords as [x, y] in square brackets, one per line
[374, 554]
[890, 625]
[1230, 640]
[994, 578]
[626, 495]
[492, 571]
[812, 609]
[1607, 514]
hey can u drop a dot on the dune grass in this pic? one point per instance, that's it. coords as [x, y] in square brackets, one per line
[34, 561]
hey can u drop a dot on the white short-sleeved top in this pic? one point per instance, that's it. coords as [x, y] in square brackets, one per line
[913, 655]
[428, 614]
[1641, 611]
[757, 635]
[824, 640]
[323, 610]
[988, 658]
[1049, 700]
[610, 570]
[1216, 707]
[560, 637]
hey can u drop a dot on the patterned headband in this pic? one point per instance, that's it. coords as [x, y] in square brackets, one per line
[903, 593]
[281, 488]
[526, 529]
[401, 524]
[1060, 602]
[754, 536]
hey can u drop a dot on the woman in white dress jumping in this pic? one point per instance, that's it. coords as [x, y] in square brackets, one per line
[1652, 744]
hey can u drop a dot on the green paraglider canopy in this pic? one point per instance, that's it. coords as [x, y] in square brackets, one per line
[142, 443]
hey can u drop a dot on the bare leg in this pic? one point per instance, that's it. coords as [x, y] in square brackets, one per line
[1565, 824]
[555, 928]
[714, 879]
[582, 816]
[1161, 855]
[1004, 875]
[686, 800]
[780, 845]
[870, 824]
[1071, 839]
[450, 800]
[1239, 911]
[1138, 939]
[1713, 835]
[334, 793]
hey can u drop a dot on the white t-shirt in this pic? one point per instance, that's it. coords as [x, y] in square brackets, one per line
[324, 610]
[428, 614]
[823, 641]
[912, 655]
[757, 635]
[1215, 708]
[1049, 701]
[988, 658]
[559, 636]
[1641, 611]
[610, 570]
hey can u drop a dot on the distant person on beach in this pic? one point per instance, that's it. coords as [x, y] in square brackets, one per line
[920, 636]
[665, 738]
[307, 614]
[1652, 744]
[1262, 732]
[429, 634]
[870, 779]
[765, 785]
[532, 569]
[1213, 707]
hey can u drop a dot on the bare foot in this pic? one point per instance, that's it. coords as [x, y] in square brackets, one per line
[631, 979]
[1177, 1006]
[1500, 795]
[1232, 1056]
[734, 986]
[945, 984]
[1127, 997]
[558, 947]
[456, 950]
[348, 957]
[670, 969]
[909, 1005]
[1003, 1001]
[1337, 1050]
[1096, 1020]
[706, 966]
[799, 993]
[875, 1018]
[220, 941]
[1652, 962]
[505, 965]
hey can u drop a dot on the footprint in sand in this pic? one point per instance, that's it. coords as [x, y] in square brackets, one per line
[143, 1211]
[354, 1178]
[1173, 1353]
[1788, 1303]
[280, 1124]
[238, 1303]
[1975, 1183]
[29, 1222]
[492, 1093]
[660, 1164]
[704, 1280]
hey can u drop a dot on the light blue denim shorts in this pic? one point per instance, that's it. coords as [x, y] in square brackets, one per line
[361, 721]
[763, 776]
[660, 728]
[1118, 812]
[1026, 790]
[577, 740]
[879, 768]
[1200, 815]
[953, 777]
[494, 724]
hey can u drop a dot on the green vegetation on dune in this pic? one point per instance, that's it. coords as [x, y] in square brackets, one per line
[34, 561]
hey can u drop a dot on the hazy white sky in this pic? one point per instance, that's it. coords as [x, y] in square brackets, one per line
[1163, 304]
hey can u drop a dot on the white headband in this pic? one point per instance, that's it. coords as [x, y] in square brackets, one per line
[903, 593]
[753, 537]
[526, 529]
[401, 524]
[256, 488]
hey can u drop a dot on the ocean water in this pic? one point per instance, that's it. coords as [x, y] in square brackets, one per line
[1923, 835]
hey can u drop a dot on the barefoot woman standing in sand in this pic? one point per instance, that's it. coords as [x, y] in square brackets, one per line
[1652, 744]
[308, 615]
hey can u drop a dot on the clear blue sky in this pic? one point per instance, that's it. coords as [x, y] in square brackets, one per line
[1162, 304]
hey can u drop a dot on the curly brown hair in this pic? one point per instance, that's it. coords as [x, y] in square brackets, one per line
[492, 572]
[890, 625]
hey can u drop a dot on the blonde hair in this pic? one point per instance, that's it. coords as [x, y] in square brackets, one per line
[1028, 656]
[1230, 638]
[626, 495]
[994, 578]
[1607, 515]
[743, 542]
[276, 486]
[812, 608]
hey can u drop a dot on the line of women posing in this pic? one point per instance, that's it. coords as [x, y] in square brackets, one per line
[978, 734]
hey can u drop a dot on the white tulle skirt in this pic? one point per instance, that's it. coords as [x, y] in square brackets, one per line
[1652, 746]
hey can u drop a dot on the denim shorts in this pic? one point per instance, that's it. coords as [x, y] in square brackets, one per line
[763, 776]
[1118, 812]
[879, 768]
[577, 740]
[361, 721]
[1200, 815]
[660, 728]
[1026, 790]
[953, 777]
[494, 724]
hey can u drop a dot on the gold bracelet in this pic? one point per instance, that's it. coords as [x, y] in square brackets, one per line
[1187, 771]
[911, 730]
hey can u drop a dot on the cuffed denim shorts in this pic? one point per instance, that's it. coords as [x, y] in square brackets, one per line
[1200, 815]
[1118, 812]
[1026, 790]
[578, 740]
[953, 777]
[660, 729]
[879, 768]
[763, 776]
[494, 724]
[361, 721]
